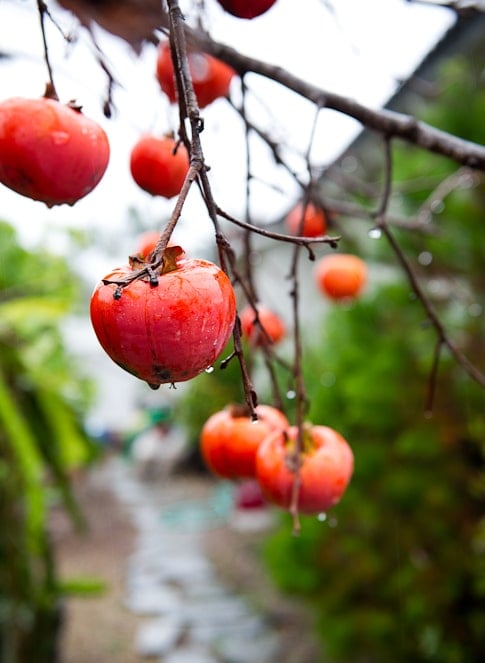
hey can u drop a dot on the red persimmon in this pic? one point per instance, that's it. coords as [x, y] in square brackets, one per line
[211, 77]
[168, 332]
[306, 221]
[327, 464]
[50, 151]
[230, 438]
[248, 495]
[267, 327]
[159, 165]
[246, 8]
[341, 276]
[146, 243]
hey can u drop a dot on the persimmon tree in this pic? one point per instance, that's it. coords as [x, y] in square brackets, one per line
[352, 204]
[164, 25]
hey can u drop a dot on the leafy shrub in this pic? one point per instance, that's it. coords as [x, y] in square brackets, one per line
[395, 571]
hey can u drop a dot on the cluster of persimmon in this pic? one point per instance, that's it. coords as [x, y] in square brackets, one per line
[166, 318]
[51, 152]
[159, 164]
[276, 455]
[339, 276]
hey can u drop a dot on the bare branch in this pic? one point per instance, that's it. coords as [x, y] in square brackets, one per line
[464, 8]
[431, 312]
[384, 121]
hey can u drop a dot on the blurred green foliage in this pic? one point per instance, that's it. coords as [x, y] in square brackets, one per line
[42, 440]
[396, 571]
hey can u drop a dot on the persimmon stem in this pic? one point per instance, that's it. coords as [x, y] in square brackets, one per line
[50, 90]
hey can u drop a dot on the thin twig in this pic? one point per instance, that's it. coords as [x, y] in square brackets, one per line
[431, 313]
[291, 239]
[384, 121]
[51, 88]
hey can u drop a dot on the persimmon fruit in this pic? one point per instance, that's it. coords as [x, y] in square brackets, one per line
[146, 243]
[159, 165]
[211, 77]
[168, 331]
[327, 464]
[49, 151]
[262, 329]
[341, 275]
[229, 439]
[306, 220]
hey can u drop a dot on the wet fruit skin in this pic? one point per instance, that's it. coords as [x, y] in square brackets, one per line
[170, 332]
[314, 221]
[159, 165]
[246, 8]
[211, 78]
[230, 438]
[49, 151]
[327, 467]
[270, 329]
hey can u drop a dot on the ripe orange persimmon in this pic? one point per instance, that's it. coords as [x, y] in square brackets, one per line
[211, 77]
[269, 329]
[341, 276]
[230, 439]
[169, 330]
[327, 465]
[306, 221]
[50, 151]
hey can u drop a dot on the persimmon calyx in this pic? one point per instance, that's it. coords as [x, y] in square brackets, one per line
[148, 271]
[170, 256]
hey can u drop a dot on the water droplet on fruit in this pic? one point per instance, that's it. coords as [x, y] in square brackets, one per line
[322, 517]
[291, 394]
[375, 233]
[209, 369]
[60, 137]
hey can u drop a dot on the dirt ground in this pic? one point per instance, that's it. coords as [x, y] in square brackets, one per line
[101, 629]
[96, 628]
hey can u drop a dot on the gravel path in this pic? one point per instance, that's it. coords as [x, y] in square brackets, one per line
[183, 580]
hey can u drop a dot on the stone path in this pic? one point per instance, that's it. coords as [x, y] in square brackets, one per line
[186, 614]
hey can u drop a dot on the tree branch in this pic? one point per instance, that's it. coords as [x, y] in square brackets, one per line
[384, 121]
